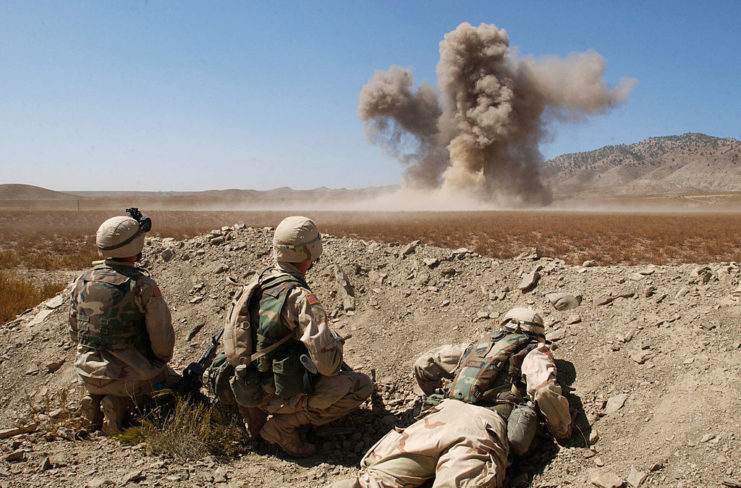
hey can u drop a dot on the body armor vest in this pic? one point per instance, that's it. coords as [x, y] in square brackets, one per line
[488, 373]
[280, 369]
[108, 317]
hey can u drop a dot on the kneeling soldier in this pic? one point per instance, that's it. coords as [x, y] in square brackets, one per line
[122, 325]
[288, 327]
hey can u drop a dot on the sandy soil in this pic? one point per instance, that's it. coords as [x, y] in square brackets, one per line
[651, 358]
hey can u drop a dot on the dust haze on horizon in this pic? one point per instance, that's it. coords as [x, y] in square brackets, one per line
[475, 144]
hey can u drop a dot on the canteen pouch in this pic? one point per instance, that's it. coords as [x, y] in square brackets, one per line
[521, 426]
[245, 384]
[288, 375]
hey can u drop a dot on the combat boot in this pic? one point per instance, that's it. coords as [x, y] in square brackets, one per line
[254, 418]
[114, 409]
[283, 431]
[90, 411]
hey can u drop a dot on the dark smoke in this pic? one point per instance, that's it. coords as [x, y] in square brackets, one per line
[484, 141]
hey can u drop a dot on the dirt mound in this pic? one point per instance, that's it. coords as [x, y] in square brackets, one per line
[651, 357]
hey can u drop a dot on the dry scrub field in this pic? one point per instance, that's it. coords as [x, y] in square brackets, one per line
[51, 240]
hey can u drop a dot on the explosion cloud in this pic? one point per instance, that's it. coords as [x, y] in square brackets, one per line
[480, 134]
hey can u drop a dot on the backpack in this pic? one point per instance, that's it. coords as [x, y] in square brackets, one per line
[238, 331]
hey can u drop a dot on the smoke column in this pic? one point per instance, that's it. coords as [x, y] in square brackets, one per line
[479, 135]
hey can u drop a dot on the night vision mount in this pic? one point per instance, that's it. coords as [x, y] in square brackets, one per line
[145, 223]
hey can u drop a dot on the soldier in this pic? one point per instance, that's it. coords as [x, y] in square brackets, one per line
[121, 324]
[487, 410]
[291, 337]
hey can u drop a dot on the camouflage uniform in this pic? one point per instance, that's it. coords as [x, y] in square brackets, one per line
[123, 329]
[335, 392]
[456, 443]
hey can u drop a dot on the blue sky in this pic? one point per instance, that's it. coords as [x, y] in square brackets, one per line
[184, 95]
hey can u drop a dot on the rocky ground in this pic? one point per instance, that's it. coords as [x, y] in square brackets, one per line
[650, 355]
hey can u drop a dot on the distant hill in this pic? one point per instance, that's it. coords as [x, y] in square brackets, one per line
[690, 163]
[30, 192]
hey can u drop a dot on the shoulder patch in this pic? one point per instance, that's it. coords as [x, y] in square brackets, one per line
[312, 299]
[156, 292]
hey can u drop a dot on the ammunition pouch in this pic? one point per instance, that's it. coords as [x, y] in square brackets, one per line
[289, 375]
[246, 385]
[218, 378]
[521, 427]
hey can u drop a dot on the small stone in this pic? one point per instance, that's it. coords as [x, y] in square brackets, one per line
[641, 357]
[99, 483]
[431, 262]
[573, 319]
[636, 276]
[16, 456]
[555, 335]
[40, 317]
[604, 300]
[167, 254]
[447, 271]
[636, 478]
[221, 268]
[593, 436]
[532, 253]
[606, 479]
[529, 280]
[563, 301]
[615, 403]
[446, 303]
[682, 292]
[588, 263]
[410, 248]
[54, 365]
[220, 475]
[599, 462]
[55, 302]
[707, 438]
[133, 476]
[217, 241]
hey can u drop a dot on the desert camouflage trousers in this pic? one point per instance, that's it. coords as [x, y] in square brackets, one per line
[333, 397]
[128, 387]
[457, 445]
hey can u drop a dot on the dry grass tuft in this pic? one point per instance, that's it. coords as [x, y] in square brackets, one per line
[19, 294]
[190, 431]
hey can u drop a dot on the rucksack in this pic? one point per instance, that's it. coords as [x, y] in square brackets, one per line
[238, 331]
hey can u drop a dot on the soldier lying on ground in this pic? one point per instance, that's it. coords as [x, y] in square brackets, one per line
[287, 325]
[497, 386]
[122, 326]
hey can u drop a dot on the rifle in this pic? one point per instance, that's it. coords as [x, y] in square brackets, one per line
[189, 385]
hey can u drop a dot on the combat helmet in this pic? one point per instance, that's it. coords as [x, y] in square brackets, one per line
[121, 236]
[296, 240]
[520, 319]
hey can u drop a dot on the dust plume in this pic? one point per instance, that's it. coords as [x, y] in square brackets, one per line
[478, 136]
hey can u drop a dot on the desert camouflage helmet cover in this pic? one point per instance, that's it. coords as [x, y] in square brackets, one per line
[119, 237]
[526, 319]
[296, 240]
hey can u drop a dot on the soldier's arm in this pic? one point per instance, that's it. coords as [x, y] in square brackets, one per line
[431, 367]
[158, 320]
[303, 310]
[539, 370]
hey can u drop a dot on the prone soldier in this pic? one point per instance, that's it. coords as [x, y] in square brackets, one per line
[496, 387]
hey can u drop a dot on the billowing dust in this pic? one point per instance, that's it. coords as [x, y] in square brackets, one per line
[477, 137]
